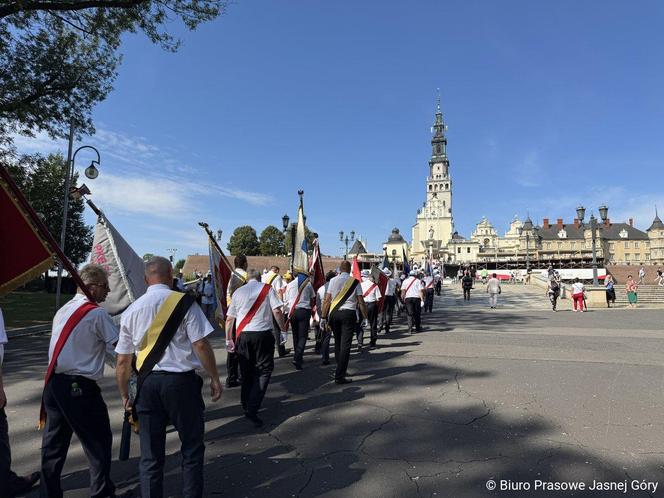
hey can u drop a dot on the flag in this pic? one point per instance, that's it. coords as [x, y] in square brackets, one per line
[380, 279]
[385, 263]
[125, 268]
[355, 272]
[406, 267]
[300, 249]
[316, 269]
[222, 272]
[24, 252]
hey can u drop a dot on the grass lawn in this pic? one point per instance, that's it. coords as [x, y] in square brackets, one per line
[22, 309]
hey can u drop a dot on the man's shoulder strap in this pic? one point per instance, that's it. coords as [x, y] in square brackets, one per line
[271, 279]
[346, 291]
[253, 310]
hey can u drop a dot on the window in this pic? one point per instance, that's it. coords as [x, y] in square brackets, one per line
[626, 244]
[548, 245]
[636, 244]
[458, 250]
[612, 246]
[447, 185]
[647, 257]
[468, 250]
[628, 256]
[572, 245]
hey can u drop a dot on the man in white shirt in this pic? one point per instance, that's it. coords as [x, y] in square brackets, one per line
[207, 298]
[390, 299]
[493, 289]
[72, 399]
[255, 341]
[277, 282]
[428, 283]
[171, 393]
[299, 305]
[343, 319]
[10, 484]
[323, 334]
[412, 292]
[371, 294]
[237, 280]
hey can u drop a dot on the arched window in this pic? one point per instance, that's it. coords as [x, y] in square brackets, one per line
[447, 185]
[436, 187]
[430, 187]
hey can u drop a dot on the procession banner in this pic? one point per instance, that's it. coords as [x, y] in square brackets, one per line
[316, 269]
[300, 252]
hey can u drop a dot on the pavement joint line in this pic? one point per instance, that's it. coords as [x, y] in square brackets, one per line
[583, 360]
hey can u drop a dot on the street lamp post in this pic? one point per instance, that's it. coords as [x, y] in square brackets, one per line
[603, 213]
[172, 256]
[345, 239]
[219, 233]
[527, 248]
[91, 172]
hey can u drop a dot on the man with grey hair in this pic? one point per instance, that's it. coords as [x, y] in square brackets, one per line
[254, 306]
[166, 331]
[82, 334]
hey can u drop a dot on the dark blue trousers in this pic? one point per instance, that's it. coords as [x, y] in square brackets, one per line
[173, 398]
[300, 328]
[8, 479]
[255, 352]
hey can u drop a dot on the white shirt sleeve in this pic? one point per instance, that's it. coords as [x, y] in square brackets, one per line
[275, 302]
[232, 309]
[106, 330]
[125, 344]
[358, 290]
[196, 324]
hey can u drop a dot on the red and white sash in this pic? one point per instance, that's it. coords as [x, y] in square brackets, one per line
[369, 290]
[253, 310]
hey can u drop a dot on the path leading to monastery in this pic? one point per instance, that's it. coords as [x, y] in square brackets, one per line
[516, 393]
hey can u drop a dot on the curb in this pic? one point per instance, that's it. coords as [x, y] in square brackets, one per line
[28, 331]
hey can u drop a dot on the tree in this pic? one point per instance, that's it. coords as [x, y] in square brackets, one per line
[60, 57]
[148, 256]
[179, 264]
[244, 241]
[272, 241]
[42, 181]
[288, 241]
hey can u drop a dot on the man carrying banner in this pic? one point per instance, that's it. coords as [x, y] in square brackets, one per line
[390, 299]
[237, 279]
[371, 294]
[167, 332]
[428, 282]
[72, 403]
[276, 281]
[300, 297]
[254, 306]
[412, 293]
[10, 483]
[343, 296]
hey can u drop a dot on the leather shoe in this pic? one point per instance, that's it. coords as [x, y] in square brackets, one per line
[255, 420]
[343, 380]
[22, 485]
[326, 362]
[232, 383]
[296, 365]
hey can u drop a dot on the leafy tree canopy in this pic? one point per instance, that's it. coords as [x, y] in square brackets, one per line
[288, 238]
[58, 58]
[272, 241]
[148, 256]
[42, 181]
[244, 241]
[179, 264]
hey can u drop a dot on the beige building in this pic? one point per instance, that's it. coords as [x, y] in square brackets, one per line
[656, 237]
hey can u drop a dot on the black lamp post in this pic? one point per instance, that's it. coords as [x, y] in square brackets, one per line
[345, 239]
[603, 213]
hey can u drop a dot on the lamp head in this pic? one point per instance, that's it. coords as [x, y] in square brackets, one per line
[219, 232]
[603, 212]
[581, 213]
[285, 219]
[352, 235]
[91, 171]
[341, 235]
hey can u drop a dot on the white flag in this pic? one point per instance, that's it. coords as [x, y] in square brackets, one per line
[300, 257]
[124, 267]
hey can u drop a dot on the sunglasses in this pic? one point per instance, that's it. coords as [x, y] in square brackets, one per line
[103, 286]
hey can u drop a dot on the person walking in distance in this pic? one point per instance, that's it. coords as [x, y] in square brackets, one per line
[207, 298]
[254, 306]
[412, 292]
[342, 298]
[274, 279]
[428, 283]
[323, 334]
[578, 291]
[390, 299]
[371, 295]
[631, 287]
[299, 296]
[166, 332]
[466, 285]
[493, 289]
[610, 291]
[553, 291]
[642, 275]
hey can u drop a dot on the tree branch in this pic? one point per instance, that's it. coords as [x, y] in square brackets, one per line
[16, 7]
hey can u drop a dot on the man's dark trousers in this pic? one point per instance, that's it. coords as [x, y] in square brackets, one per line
[428, 300]
[388, 311]
[300, 326]
[414, 308]
[255, 352]
[276, 333]
[372, 317]
[232, 365]
[169, 397]
[343, 323]
[74, 406]
[8, 479]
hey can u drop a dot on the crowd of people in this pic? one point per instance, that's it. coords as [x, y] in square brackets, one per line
[161, 345]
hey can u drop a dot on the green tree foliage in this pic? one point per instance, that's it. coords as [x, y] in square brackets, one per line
[179, 264]
[272, 241]
[59, 57]
[148, 256]
[42, 181]
[244, 241]
[288, 238]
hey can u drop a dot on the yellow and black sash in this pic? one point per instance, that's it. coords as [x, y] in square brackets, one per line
[346, 291]
[159, 335]
[271, 279]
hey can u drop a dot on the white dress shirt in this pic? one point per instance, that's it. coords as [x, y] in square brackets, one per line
[3, 338]
[85, 350]
[415, 287]
[578, 288]
[428, 282]
[208, 293]
[137, 318]
[372, 296]
[245, 297]
[273, 279]
[336, 284]
[308, 294]
[391, 288]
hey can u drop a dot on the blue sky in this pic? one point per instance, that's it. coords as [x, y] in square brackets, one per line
[549, 104]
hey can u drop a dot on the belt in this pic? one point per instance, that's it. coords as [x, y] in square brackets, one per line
[163, 372]
[256, 331]
[77, 378]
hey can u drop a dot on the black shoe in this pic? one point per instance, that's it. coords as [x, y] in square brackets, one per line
[22, 485]
[297, 365]
[232, 383]
[254, 420]
[343, 380]
[285, 353]
[359, 348]
[326, 362]
[372, 344]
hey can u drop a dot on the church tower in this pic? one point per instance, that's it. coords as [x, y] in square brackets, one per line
[434, 218]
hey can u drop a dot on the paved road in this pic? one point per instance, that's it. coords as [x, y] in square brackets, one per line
[506, 394]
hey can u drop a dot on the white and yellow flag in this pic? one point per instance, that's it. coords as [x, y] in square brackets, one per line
[300, 254]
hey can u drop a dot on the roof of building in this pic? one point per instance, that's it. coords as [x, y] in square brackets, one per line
[553, 232]
[528, 224]
[358, 248]
[395, 237]
[656, 224]
[201, 263]
[614, 231]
